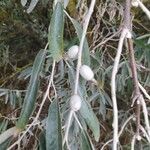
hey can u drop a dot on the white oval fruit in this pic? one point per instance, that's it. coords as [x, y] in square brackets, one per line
[128, 35]
[75, 102]
[134, 3]
[73, 52]
[86, 72]
[138, 137]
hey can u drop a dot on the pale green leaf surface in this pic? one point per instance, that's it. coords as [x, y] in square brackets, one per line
[53, 128]
[42, 141]
[5, 144]
[32, 90]
[55, 35]
[90, 118]
[85, 141]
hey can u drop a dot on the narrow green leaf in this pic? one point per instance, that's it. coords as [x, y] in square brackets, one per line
[86, 143]
[53, 128]
[42, 141]
[32, 5]
[3, 125]
[5, 144]
[86, 52]
[55, 35]
[30, 98]
[90, 118]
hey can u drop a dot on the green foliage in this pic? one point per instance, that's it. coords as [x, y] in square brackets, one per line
[53, 128]
[3, 125]
[85, 141]
[5, 144]
[143, 55]
[42, 141]
[22, 35]
[55, 35]
[90, 118]
[32, 91]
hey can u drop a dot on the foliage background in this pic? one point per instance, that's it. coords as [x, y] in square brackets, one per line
[22, 35]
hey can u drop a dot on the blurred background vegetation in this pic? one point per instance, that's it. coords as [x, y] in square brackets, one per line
[22, 35]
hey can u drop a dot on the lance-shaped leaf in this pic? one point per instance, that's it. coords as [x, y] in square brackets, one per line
[32, 6]
[90, 118]
[55, 35]
[32, 90]
[42, 141]
[5, 144]
[85, 141]
[53, 128]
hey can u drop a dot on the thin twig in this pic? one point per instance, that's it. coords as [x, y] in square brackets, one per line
[136, 96]
[113, 88]
[133, 142]
[21, 137]
[123, 126]
[76, 118]
[68, 127]
[145, 10]
[145, 113]
[85, 26]
[125, 33]
[145, 133]
[144, 91]
[106, 40]
[11, 132]
[39, 111]
[120, 132]
[47, 92]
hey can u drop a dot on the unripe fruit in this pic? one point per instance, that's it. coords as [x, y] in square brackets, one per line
[134, 3]
[75, 102]
[86, 72]
[139, 138]
[128, 35]
[73, 52]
